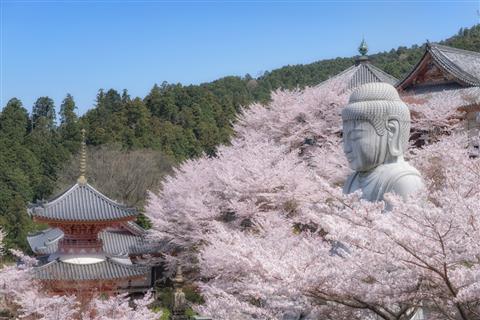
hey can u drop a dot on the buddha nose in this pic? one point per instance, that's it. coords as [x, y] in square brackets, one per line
[347, 148]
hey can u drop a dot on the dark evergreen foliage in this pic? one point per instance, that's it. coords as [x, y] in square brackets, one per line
[69, 128]
[43, 113]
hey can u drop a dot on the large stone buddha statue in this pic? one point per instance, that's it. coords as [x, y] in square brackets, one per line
[376, 129]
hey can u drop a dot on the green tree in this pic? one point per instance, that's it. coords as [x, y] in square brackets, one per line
[45, 142]
[69, 129]
[137, 129]
[16, 222]
[112, 101]
[14, 121]
[162, 101]
[67, 111]
[19, 171]
[43, 113]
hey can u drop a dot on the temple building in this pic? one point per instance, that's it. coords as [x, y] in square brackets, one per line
[361, 72]
[445, 73]
[91, 245]
[443, 68]
[450, 78]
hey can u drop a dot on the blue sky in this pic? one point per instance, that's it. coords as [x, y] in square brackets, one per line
[58, 47]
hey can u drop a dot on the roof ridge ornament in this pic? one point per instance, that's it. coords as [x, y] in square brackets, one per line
[363, 48]
[83, 160]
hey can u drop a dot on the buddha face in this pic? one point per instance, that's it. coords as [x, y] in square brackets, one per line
[364, 148]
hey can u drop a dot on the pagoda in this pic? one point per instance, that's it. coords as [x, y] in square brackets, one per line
[88, 247]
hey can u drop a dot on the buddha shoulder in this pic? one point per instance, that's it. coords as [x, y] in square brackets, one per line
[400, 178]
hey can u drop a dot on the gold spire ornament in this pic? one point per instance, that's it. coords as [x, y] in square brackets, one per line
[83, 160]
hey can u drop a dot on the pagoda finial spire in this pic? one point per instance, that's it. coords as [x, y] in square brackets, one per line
[83, 160]
[363, 48]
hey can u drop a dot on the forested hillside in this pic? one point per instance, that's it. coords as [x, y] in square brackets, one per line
[396, 62]
[174, 122]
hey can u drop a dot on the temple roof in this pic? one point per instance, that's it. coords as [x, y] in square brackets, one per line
[361, 73]
[115, 242]
[120, 243]
[46, 241]
[134, 228]
[81, 203]
[366, 73]
[462, 65]
[107, 269]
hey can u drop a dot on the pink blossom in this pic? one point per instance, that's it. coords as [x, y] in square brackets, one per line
[266, 232]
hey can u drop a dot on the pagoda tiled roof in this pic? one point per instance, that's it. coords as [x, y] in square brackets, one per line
[107, 269]
[81, 203]
[120, 243]
[134, 228]
[462, 65]
[46, 241]
[115, 242]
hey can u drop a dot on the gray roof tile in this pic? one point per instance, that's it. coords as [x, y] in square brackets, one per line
[81, 202]
[115, 242]
[463, 64]
[134, 228]
[46, 241]
[120, 243]
[105, 270]
[359, 74]
[367, 73]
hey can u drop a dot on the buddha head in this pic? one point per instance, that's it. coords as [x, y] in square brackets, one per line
[376, 127]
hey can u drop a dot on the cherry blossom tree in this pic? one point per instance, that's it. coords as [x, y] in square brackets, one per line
[354, 258]
[266, 232]
[118, 307]
[16, 280]
[270, 159]
[439, 113]
[35, 305]
[423, 252]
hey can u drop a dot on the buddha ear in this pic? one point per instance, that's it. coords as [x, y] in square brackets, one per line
[393, 137]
